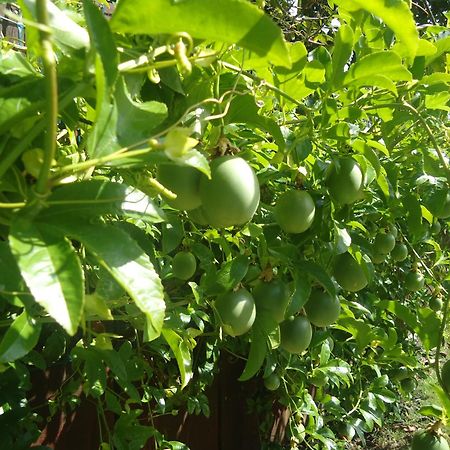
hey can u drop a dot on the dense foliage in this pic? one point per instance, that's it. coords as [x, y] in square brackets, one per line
[192, 179]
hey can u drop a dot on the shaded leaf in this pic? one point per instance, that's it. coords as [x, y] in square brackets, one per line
[20, 338]
[182, 354]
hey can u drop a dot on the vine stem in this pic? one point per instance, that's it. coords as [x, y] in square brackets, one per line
[51, 97]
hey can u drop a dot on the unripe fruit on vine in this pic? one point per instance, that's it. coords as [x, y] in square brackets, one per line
[231, 196]
[184, 265]
[184, 181]
[436, 303]
[428, 440]
[399, 252]
[296, 334]
[344, 180]
[436, 227]
[272, 382]
[384, 243]
[237, 311]
[438, 203]
[322, 309]
[445, 375]
[414, 281]
[348, 273]
[378, 258]
[272, 297]
[408, 385]
[294, 211]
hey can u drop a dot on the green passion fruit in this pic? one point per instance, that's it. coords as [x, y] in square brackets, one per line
[184, 181]
[294, 211]
[436, 227]
[445, 375]
[272, 382]
[348, 273]
[436, 303]
[438, 203]
[184, 265]
[322, 309]
[272, 297]
[378, 258]
[414, 281]
[408, 385]
[237, 311]
[428, 440]
[384, 243]
[231, 196]
[296, 334]
[399, 252]
[344, 180]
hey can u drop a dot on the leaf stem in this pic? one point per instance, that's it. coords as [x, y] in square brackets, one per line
[51, 97]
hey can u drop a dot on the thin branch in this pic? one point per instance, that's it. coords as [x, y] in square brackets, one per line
[51, 94]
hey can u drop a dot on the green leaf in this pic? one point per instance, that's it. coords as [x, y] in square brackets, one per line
[51, 269]
[442, 46]
[102, 39]
[130, 266]
[367, 69]
[343, 47]
[319, 274]
[122, 122]
[243, 109]
[342, 240]
[182, 354]
[94, 198]
[413, 212]
[20, 338]
[232, 21]
[13, 63]
[302, 289]
[431, 411]
[263, 326]
[67, 33]
[229, 275]
[395, 14]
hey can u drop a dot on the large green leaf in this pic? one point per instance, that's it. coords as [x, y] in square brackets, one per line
[102, 39]
[182, 354]
[51, 269]
[121, 121]
[232, 21]
[343, 47]
[263, 326]
[368, 69]
[130, 266]
[21, 337]
[92, 198]
[395, 14]
[67, 33]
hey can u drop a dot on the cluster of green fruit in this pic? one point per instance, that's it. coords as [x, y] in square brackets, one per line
[230, 197]
[238, 310]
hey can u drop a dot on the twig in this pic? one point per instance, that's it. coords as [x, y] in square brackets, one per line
[51, 93]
